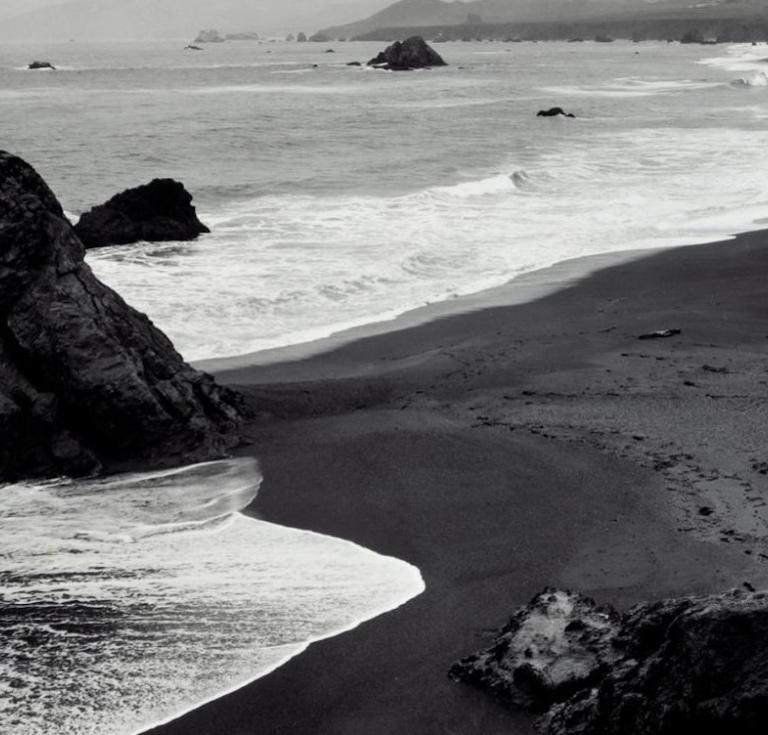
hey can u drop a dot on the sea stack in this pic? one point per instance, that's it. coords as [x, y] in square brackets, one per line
[86, 382]
[692, 664]
[159, 211]
[413, 53]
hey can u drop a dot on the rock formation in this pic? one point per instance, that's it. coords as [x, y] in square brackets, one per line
[159, 211]
[413, 53]
[697, 664]
[211, 36]
[86, 381]
[554, 112]
[301, 37]
[41, 65]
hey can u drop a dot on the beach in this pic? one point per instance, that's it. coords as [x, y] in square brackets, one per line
[509, 448]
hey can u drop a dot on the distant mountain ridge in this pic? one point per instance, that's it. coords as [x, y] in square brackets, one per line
[414, 14]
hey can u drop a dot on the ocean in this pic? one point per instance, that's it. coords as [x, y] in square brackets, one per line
[337, 196]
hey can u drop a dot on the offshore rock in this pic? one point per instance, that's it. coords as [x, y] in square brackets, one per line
[413, 53]
[41, 65]
[159, 211]
[86, 382]
[211, 36]
[695, 664]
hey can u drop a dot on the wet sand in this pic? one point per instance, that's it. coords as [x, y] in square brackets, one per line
[508, 449]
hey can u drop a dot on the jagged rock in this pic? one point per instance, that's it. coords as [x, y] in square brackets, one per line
[551, 648]
[211, 36]
[159, 211]
[694, 664]
[301, 37]
[554, 112]
[41, 65]
[413, 53]
[191, 47]
[85, 380]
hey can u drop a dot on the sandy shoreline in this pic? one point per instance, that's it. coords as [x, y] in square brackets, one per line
[509, 448]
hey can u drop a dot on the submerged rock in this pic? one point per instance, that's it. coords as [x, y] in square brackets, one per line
[159, 211]
[413, 53]
[694, 664]
[41, 65]
[85, 380]
[554, 112]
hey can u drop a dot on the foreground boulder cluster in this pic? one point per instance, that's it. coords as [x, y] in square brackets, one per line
[86, 382]
[689, 665]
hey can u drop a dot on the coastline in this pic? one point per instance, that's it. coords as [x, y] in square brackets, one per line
[300, 648]
[484, 442]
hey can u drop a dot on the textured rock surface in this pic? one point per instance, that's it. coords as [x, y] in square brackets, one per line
[696, 665]
[85, 380]
[556, 645]
[413, 53]
[159, 211]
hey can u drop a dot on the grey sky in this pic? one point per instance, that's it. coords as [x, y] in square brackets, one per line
[169, 18]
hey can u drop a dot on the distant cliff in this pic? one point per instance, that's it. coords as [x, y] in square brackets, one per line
[730, 20]
[723, 30]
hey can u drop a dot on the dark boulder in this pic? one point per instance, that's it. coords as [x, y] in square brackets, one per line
[554, 112]
[159, 211]
[86, 382]
[697, 664]
[41, 65]
[413, 53]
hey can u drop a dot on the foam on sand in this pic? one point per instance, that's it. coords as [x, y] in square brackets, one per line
[132, 599]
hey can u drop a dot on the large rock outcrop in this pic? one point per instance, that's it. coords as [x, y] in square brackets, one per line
[158, 211]
[413, 53]
[85, 380]
[697, 664]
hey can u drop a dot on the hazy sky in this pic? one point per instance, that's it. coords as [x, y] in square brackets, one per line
[261, 14]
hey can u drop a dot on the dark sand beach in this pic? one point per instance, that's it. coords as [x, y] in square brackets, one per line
[507, 449]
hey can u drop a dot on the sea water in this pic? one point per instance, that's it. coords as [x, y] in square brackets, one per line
[125, 601]
[339, 195]
[336, 195]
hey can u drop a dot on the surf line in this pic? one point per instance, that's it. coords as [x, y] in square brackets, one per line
[419, 587]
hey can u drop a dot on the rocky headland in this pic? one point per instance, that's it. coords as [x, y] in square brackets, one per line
[692, 664]
[413, 53]
[86, 382]
[158, 211]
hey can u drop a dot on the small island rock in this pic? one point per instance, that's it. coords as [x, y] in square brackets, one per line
[211, 36]
[554, 112]
[86, 382]
[413, 53]
[41, 65]
[159, 211]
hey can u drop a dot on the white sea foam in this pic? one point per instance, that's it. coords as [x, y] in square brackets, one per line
[282, 269]
[128, 600]
[631, 87]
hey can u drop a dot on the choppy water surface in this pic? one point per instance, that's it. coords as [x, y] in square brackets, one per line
[128, 600]
[339, 195]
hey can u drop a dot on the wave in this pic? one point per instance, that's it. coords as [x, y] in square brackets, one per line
[147, 594]
[760, 79]
[626, 87]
